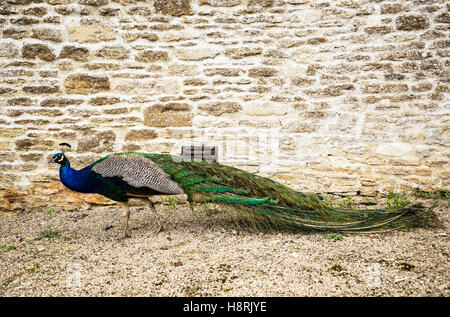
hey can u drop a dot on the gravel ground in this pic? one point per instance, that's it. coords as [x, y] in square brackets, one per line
[70, 254]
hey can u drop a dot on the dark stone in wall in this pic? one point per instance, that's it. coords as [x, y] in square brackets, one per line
[173, 7]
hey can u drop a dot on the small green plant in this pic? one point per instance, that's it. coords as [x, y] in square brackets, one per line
[443, 193]
[172, 202]
[335, 236]
[330, 200]
[33, 268]
[436, 194]
[48, 211]
[49, 234]
[346, 203]
[6, 248]
[397, 200]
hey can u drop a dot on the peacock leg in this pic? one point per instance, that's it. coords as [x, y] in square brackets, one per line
[126, 213]
[155, 213]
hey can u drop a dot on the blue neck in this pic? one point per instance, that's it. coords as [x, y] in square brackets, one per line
[80, 181]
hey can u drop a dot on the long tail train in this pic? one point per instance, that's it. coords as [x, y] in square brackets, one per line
[265, 204]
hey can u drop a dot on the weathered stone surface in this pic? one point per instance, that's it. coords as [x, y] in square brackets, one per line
[18, 72]
[152, 56]
[24, 21]
[86, 84]
[393, 8]
[195, 82]
[219, 108]
[60, 102]
[54, 19]
[223, 71]
[33, 144]
[7, 90]
[394, 149]
[42, 88]
[266, 109]
[330, 91]
[152, 37]
[220, 3]
[48, 73]
[443, 18]
[182, 69]
[173, 7]
[316, 40]
[93, 2]
[40, 51]
[302, 81]
[378, 29]
[129, 147]
[411, 22]
[20, 101]
[113, 52]
[74, 52]
[260, 3]
[109, 11]
[144, 11]
[168, 115]
[8, 49]
[11, 132]
[262, 72]
[37, 11]
[97, 141]
[47, 34]
[91, 33]
[196, 53]
[102, 66]
[139, 135]
[103, 100]
[7, 9]
[241, 52]
[64, 9]
[14, 33]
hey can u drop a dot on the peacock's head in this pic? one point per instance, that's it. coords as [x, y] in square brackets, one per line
[59, 158]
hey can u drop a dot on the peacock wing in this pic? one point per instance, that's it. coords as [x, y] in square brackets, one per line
[138, 173]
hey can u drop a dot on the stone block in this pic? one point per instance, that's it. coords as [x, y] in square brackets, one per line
[196, 53]
[47, 34]
[76, 53]
[86, 84]
[411, 22]
[173, 7]
[219, 108]
[168, 115]
[90, 33]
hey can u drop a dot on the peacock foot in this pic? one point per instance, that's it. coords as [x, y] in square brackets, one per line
[123, 236]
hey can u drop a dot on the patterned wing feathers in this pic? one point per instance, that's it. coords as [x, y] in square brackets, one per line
[138, 172]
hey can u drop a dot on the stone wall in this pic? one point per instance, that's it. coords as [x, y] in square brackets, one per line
[325, 96]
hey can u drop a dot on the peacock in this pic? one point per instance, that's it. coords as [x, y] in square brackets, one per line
[253, 200]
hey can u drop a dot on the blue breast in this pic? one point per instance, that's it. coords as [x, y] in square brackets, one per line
[83, 181]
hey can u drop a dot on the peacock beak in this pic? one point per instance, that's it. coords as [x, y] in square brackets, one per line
[51, 161]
